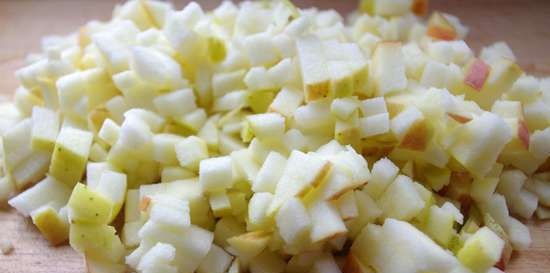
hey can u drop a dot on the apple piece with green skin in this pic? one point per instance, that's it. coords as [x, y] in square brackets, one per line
[481, 251]
[388, 68]
[87, 206]
[314, 69]
[249, 245]
[70, 154]
[102, 265]
[51, 224]
[440, 28]
[96, 240]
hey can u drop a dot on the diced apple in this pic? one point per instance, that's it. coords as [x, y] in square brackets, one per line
[53, 226]
[325, 222]
[216, 261]
[257, 211]
[270, 173]
[293, 221]
[383, 174]
[477, 73]
[96, 240]
[440, 28]
[401, 200]
[176, 103]
[388, 68]
[481, 251]
[249, 245]
[89, 207]
[70, 155]
[313, 66]
[216, 173]
[46, 192]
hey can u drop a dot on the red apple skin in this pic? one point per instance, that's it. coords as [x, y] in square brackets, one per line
[441, 33]
[459, 118]
[420, 7]
[523, 133]
[478, 73]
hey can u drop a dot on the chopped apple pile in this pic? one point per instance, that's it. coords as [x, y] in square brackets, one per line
[259, 137]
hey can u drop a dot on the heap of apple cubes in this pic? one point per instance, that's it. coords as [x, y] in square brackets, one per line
[279, 136]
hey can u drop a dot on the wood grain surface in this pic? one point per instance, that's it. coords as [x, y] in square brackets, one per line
[524, 24]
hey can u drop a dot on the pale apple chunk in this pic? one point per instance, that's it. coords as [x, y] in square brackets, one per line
[325, 222]
[401, 200]
[216, 261]
[155, 67]
[440, 28]
[176, 103]
[70, 155]
[257, 211]
[16, 144]
[440, 225]
[286, 102]
[301, 173]
[479, 142]
[45, 126]
[220, 204]
[216, 173]
[388, 68]
[266, 126]
[32, 169]
[383, 174]
[293, 221]
[481, 251]
[190, 151]
[158, 259]
[374, 125]
[368, 212]
[313, 66]
[347, 205]
[325, 264]
[46, 192]
[270, 173]
[410, 127]
[129, 235]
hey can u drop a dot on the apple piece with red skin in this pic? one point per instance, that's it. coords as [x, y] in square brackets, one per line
[477, 73]
[440, 28]
[420, 7]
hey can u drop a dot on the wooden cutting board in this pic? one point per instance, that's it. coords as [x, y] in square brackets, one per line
[524, 24]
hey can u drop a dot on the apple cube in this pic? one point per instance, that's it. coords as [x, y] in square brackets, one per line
[313, 67]
[164, 148]
[293, 221]
[223, 83]
[257, 211]
[45, 126]
[16, 144]
[267, 126]
[286, 102]
[347, 205]
[155, 67]
[89, 207]
[227, 227]
[170, 211]
[176, 103]
[496, 51]
[315, 118]
[216, 173]
[249, 245]
[440, 28]
[410, 127]
[216, 261]
[519, 234]
[481, 250]
[479, 142]
[401, 200]
[158, 259]
[53, 226]
[220, 204]
[388, 68]
[70, 155]
[368, 212]
[525, 89]
[96, 240]
[301, 173]
[260, 50]
[383, 174]
[325, 222]
[439, 225]
[46, 192]
[270, 173]
[190, 151]
[343, 108]
[374, 125]
[538, 143]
